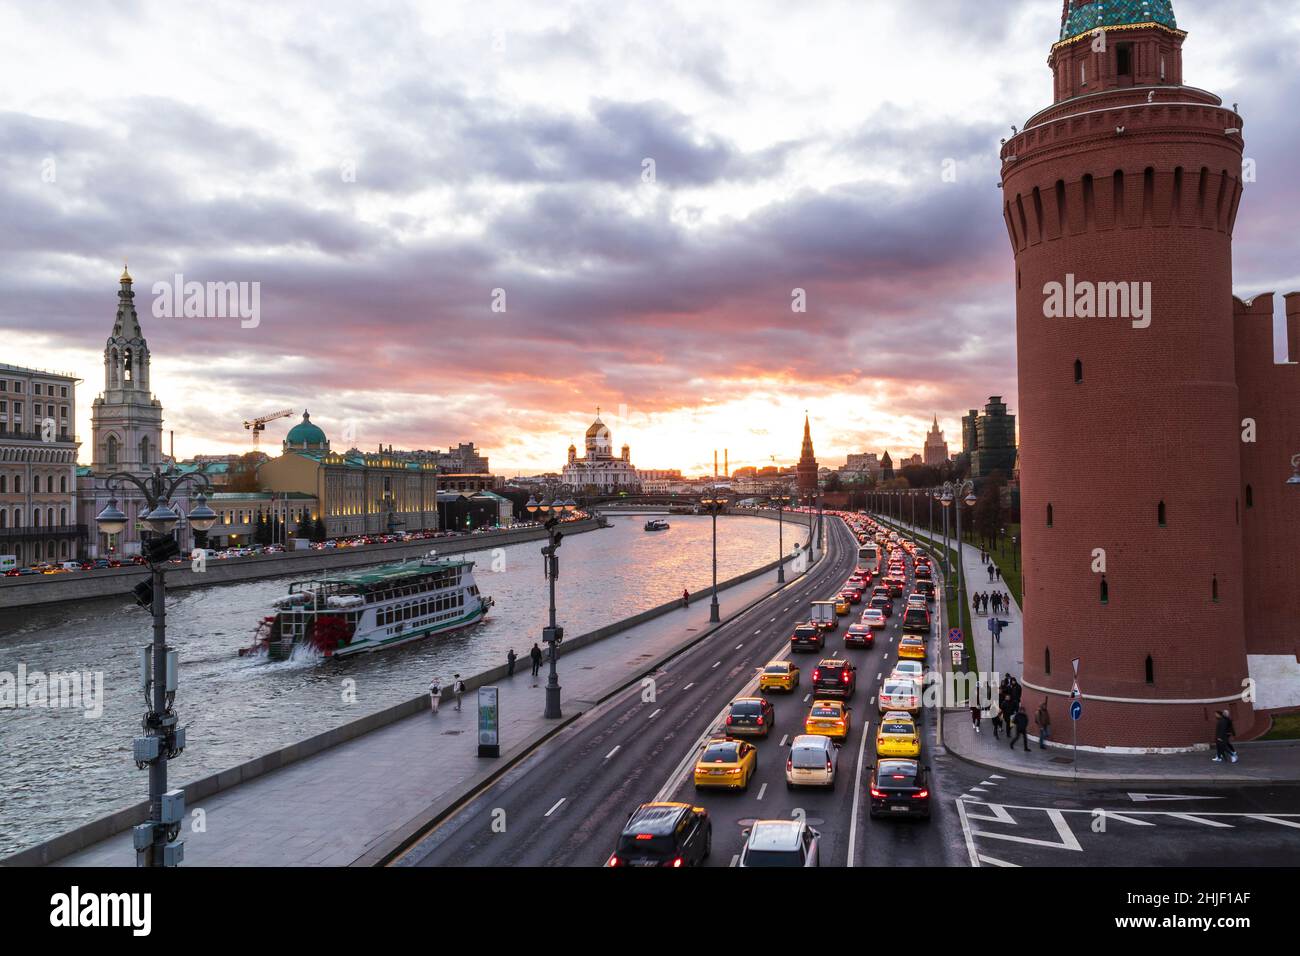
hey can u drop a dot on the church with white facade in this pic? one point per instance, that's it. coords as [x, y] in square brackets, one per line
[600, 469]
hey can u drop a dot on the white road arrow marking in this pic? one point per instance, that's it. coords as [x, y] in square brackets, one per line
[1152, 797]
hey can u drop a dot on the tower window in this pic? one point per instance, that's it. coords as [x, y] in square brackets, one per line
[1250, 496]
[1124, 59]
[1160, 514]
[1047, 660]
[1105, 590]
[1151, 670]
[1078, 371]
[1049, 516]
[1214, 589]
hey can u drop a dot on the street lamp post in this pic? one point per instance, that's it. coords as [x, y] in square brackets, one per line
[155, 840]
[1295, 467]
[959, 493]
[781, 500]
[713, 503]
[552, 634]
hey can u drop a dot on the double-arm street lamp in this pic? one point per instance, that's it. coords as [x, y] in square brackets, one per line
[155, 840]
[714, 504]
[782, 501]
[555, 508]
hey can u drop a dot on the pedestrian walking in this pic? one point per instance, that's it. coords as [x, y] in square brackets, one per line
[510, 662]
[998, 569]
[996, 717]
[997, 603]
[536, 655]
[435, 694]
[1223, 732]
[686, 598]
[1008, 712]
[975, 716]
[1044, 721]
[975, 600]
[1016, 692]
[990, 572]
[458, 688]
[1022, 724]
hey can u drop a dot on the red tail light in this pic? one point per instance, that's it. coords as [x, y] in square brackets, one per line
[677, 863]
[876, 793]
[828, 764]
[728, 718]
[845, 677]
[760, 720]
[614, 861]
[789, 763]
[920, 794]
[817, 673]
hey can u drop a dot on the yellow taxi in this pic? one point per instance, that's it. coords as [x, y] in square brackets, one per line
[830, 718]
[726, 762]
[841, 605]
[911, 648]
[779, 675]
[897, 737]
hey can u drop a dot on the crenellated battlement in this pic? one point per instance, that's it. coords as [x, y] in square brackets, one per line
[1129, 197]
[1254, 339]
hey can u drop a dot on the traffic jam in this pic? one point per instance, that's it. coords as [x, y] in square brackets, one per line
[843, 700]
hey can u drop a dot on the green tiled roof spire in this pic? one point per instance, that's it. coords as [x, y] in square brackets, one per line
[1083, 16]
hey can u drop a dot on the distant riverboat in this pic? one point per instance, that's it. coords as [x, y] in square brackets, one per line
[372, 609]
[656, 524]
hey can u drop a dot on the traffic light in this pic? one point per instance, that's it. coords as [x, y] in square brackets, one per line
[144, 594]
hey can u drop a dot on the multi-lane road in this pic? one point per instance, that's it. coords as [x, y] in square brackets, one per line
[566, 803]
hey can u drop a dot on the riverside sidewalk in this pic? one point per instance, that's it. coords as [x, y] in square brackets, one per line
[337, 806]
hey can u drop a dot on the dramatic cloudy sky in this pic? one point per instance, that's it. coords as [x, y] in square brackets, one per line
[502, 146]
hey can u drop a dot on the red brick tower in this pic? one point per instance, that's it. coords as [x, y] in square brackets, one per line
[1132, 418]
[806, 470]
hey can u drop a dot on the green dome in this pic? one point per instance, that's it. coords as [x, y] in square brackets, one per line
[1084, 16]
[305, 433]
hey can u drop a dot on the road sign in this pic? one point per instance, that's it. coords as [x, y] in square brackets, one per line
[1075, 662]
[1076, 709]
[955, 636]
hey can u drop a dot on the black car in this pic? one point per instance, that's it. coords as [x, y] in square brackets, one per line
[916, 619]
[900, 788]
[885, 603]
[807, 637]
[835, 678]
[664, 834]
[750, 717]
[926, 588]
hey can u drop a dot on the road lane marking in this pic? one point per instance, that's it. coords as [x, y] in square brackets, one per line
[783, 740]
[716, 665]
[1068, 839]
[1151, 797]
[805, 698]
[968, 833]
[689, 686]
[991, 861]
[1269, 818]
[857, 794]
[556, 807]
[1192, 818]
[739, 646]
[655, 714]
[762, 790]
[734, 860]
[612, 752]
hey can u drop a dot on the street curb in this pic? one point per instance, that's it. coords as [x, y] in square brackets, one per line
[1139, 781]
[410, 834]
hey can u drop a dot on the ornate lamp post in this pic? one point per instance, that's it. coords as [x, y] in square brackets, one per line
[1295, 465]
[155, 840]
[554, 507]
[782, 500]
[712, 502]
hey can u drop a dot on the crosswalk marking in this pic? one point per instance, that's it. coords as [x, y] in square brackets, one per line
[991, 861]
[1193, 818]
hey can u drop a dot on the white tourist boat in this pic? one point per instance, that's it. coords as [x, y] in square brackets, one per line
[656, 524]
[374, 608]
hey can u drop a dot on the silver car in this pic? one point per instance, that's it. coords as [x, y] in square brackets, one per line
[780, 843]
[813, 760]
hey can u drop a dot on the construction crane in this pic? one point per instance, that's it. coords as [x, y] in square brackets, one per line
[258, 425]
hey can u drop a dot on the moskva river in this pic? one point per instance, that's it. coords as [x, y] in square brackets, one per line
[59, 769]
